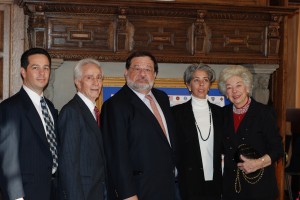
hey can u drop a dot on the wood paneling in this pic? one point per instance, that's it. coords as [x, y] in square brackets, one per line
[1, 78]
[176, 32]
[1, 52]
[1, 30]
[292, 67]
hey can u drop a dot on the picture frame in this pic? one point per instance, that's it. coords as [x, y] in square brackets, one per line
[174, 87]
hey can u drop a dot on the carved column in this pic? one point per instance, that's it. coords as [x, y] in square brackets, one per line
[274, 35]
[202, 34]
[261, 77]
[36, 25]
[125, 31]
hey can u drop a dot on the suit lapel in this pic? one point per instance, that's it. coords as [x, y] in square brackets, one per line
[90, 121]
[142, 107]
[217, 134]
[33, 117]
[189, 123]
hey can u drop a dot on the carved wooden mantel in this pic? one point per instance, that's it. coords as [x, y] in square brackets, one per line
[174, 32]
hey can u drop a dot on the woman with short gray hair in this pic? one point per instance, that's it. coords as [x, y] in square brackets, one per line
[198, 138]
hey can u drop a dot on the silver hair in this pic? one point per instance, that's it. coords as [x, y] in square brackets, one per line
[190, 70]
[235, 70]
[78, 68]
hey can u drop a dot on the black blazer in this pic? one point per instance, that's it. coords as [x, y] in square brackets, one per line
[81, 162]
[26, 160]
[140, 159]
[190, 170]
[259, 130]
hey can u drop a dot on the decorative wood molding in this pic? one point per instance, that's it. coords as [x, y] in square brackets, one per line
[177, 32]
[1, 31]
[1, 78]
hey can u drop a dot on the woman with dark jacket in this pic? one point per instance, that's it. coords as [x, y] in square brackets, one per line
[199, 138]
[252, 143]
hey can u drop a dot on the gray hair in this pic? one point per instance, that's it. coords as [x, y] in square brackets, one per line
[190, 70]
[78, 68]
[235, 70]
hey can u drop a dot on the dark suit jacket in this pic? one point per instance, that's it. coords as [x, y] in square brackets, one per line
[190, 169]
[25, 156]
[81, 162]
[259, 130]
[140, 159]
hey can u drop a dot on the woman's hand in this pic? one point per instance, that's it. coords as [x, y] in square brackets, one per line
[251, 165]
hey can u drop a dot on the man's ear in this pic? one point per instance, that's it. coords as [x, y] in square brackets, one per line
[23, 72]
[125, 72]
[77, 83]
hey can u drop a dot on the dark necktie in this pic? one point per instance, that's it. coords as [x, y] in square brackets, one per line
[97, 113]
[156, 113]
[51, 137]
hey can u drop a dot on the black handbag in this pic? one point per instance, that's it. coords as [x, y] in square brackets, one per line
[247, 151]
[252, 178]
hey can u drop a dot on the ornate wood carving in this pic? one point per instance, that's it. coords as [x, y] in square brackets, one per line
[174, 32]
[1, 78]
[1, 50]
[1, 30]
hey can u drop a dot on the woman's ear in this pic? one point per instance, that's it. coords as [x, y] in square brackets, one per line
[188, 87]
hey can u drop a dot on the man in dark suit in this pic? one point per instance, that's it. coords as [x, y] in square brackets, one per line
[139, 146]
[82, 162]
[28, 144]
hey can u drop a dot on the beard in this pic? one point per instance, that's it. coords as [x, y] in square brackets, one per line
[140, 87]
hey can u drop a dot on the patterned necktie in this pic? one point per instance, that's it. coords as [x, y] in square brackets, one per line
[156, 113]
[97, 113]
[51, 137]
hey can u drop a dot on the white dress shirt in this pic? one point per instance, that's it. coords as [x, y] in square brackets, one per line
[91, 105]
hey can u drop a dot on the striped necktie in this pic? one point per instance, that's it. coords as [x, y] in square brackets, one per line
[51, 137]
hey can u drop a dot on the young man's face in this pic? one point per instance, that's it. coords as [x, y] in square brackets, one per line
[37, 74]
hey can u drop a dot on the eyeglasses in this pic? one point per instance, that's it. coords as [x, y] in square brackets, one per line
[91, 78]
[139, 70]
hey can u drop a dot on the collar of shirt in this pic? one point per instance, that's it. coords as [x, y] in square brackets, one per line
[35, 98]
[91, 105]
[142, 96]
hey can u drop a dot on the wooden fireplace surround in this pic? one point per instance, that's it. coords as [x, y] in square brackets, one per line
[175, 32]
